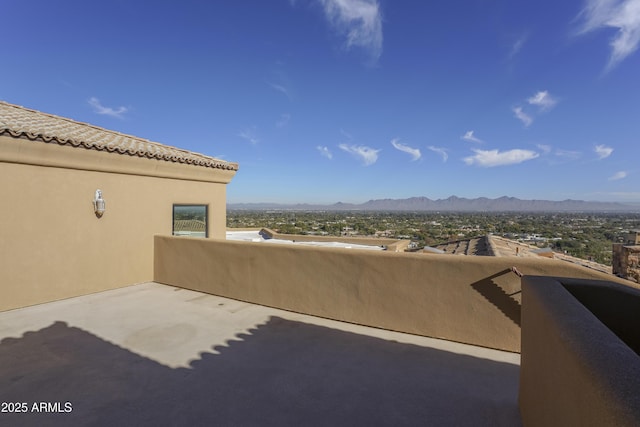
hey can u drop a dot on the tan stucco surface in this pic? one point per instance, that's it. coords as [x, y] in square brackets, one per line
[473, 300]
[53, 246]
[580, 364]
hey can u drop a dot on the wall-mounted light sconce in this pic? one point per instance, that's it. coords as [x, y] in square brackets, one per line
[99, 204]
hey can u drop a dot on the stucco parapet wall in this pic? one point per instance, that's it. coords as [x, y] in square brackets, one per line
[21, 124]
[580, 363]
[474, 300]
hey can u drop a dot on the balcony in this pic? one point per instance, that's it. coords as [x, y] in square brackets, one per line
[241, 333]
[152, 354]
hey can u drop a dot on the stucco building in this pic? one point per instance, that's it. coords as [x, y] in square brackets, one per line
[626, 257]
[53, 244]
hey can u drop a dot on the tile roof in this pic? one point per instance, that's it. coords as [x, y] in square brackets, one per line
[18, 121]
[189, 225]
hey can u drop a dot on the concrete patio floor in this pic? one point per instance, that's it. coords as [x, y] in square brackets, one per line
[151, 354]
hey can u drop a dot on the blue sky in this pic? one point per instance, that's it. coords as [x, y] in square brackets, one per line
[321, 101]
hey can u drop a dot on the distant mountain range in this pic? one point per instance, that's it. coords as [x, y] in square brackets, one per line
[451, 204]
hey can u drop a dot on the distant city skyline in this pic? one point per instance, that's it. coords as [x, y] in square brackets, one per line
[321, 101]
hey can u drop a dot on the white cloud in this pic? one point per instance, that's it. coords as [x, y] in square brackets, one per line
[543, 100]
[522, 116]
[546, 149]
[491, 158]
[440, 151]
[346, 134]
[413, 152]
[602, 151]
[249, 135]
[107, 111]
[367, 155]
[618, 175]
[280, 88]
[568, 154]
[360, 21]
[518, 44]
[470, 137]
[325, 152]
[284, 120]
[623, 15]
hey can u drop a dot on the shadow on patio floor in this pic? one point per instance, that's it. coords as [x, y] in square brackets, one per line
[283, 373]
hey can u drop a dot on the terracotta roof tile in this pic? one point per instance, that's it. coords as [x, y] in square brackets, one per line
[22, 122]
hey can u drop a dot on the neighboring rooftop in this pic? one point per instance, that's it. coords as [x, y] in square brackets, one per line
[489, 245]
[492, 245]
[22, 122]
[476, 246]
[260, 236]
[152, 354]
[190, 225]
[508, 247]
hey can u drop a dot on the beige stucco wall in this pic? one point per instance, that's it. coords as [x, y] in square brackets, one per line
[52, 246]
[467, 299]
[575, 371]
